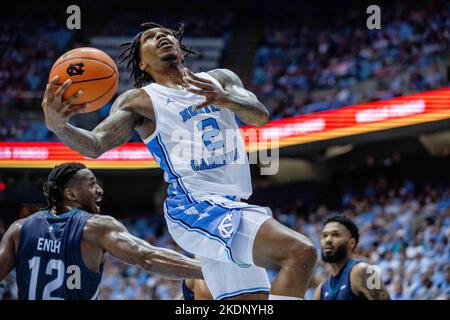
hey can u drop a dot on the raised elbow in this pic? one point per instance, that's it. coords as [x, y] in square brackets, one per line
[92, 155]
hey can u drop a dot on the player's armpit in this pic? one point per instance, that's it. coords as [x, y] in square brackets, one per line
[8, 248]
[115, 238]
[366, 280]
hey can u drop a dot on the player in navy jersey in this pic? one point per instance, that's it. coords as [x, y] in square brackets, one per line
[350, 279]
[59, 252]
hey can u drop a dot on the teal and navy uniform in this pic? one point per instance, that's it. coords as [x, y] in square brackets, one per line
[49, 264]
[339, 287]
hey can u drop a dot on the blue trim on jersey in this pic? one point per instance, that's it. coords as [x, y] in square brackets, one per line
[219, 205]
[177, 201]
[157, 152]
[60, 216]
[156, 148]
[243, 291]
[166, 155]
[201, 231]
[224, 206]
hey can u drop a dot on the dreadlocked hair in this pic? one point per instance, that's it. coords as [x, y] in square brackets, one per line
[56, 183]
[131, 54]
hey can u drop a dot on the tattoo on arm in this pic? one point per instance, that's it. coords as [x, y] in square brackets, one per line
[371, 284]
[115, 130]
[243, 103]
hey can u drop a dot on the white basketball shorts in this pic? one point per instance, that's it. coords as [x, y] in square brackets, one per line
[221, 232]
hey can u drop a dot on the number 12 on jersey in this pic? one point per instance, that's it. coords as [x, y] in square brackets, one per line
[73, 280]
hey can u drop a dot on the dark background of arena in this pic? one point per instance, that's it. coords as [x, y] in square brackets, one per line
[299, 57]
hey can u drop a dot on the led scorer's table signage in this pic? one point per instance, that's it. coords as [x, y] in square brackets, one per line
[346, 121]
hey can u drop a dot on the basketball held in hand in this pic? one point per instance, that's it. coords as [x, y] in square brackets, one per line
[90, 70]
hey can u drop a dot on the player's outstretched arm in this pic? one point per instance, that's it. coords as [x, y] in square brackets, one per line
[115, 130]
[233, 95]
[366, 281]
[8, 248]
[113, 237]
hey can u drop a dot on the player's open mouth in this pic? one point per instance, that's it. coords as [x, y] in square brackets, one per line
[164, 44]
[97, 203]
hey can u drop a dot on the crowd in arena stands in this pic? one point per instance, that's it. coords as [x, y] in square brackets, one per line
[294, 64]
[196, 25]
[29, 47]
[28, 50]
[298, 69]
[31, 44]
[405, 230]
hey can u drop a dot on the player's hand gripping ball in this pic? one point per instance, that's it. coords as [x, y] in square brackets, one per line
[90, 70]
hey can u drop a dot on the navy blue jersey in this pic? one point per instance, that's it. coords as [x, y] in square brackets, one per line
[339, 287]
[49, 264]
[188, 294]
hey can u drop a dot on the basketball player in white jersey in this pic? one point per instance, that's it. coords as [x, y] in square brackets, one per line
[234, 241]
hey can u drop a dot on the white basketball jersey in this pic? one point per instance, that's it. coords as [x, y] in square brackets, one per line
[201, 151]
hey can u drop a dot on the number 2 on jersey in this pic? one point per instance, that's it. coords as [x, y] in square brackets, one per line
[209, 135]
